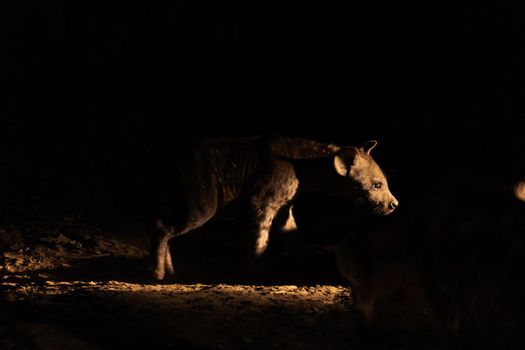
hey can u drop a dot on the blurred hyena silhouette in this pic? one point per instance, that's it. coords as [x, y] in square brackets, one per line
[519, 190]
[450, 264]
[264, 174]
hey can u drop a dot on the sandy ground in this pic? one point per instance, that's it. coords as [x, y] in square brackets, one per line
[76, 288]
[72, 285]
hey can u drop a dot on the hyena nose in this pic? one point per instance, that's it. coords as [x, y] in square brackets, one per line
[393, 205]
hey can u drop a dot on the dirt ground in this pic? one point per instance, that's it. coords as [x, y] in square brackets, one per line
[72, 284]
[67, 286]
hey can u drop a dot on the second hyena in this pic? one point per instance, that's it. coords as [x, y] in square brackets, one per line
[265, 174]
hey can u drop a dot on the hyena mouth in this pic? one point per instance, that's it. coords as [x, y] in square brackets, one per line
[369, 204]
[382, 210]
[388, 211]
[376, 208]
[379, 210]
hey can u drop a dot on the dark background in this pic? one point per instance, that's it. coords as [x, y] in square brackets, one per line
[94, 92]
[438, 84]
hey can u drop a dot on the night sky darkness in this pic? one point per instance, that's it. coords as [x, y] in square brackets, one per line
[440, 85]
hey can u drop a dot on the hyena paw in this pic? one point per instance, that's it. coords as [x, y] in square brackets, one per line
[168, 265]
[157, 269]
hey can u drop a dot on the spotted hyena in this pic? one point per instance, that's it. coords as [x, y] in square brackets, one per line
[266, 174]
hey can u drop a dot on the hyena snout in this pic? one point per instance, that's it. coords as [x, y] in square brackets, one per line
[388, 206]
[392, 205]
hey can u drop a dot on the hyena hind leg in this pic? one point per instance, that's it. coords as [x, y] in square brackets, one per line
[168, 264]
[200, 209]
[160, 253]
[161, 263]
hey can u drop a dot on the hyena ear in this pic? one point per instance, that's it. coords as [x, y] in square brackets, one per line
[344, 159]
[369, 146]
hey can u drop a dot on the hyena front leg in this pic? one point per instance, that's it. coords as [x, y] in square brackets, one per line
[265, 207]
[263, 218]
[285, 219]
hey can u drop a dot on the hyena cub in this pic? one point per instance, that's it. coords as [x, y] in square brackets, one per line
[266, 174]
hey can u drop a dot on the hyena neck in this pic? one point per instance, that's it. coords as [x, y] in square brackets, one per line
[318, 175]
[313, 162]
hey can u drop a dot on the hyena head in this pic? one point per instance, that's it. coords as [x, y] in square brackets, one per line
[364, 178]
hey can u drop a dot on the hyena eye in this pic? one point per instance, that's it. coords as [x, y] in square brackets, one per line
[377, 185]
